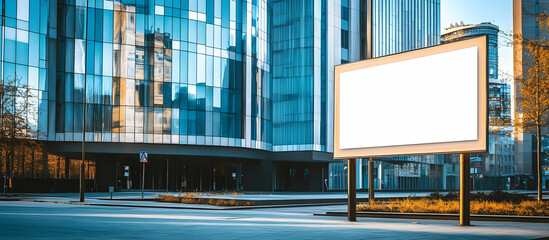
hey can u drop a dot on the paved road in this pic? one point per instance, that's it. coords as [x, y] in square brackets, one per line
[25, 220]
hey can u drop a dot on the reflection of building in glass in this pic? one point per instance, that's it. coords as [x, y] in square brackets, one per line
[494, 169]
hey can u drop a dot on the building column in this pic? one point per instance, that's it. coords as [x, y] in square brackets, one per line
[444, 172]
[380, 175]
[359, 174]
[371, 180]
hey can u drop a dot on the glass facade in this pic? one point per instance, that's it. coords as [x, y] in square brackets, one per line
[404, 25]
[176, 72]
[299, 82]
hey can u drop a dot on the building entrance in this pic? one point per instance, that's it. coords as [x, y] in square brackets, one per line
[300, 176]
[179, 174]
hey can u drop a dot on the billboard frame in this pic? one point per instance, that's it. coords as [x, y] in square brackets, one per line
[478, 145]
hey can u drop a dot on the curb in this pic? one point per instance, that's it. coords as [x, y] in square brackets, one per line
[268, 202]
[181, 207]
[438, 216]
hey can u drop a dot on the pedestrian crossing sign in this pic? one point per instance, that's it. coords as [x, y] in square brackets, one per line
[143, 157]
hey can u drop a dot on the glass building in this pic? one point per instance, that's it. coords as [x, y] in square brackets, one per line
[154, 76]
[222, 94]
[461, 31]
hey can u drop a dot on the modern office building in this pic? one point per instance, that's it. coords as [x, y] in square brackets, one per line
[525, 23]
[189, 82]
[222, 94]
[495, 168]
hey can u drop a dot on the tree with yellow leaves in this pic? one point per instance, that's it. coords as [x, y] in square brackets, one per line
[532, 98]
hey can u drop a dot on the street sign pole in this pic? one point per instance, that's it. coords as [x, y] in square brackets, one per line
[143, 183]
[143, 158]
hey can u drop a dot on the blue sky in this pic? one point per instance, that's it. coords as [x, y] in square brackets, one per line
[498, 12]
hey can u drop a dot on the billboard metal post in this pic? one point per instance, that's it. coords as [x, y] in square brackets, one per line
[371, 186]
[351, 190]
[464, 191]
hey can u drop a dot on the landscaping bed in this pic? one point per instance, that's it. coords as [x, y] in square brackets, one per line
[204, 198]
[493, 203]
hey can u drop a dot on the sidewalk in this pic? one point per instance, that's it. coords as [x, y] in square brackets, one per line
[260, 200]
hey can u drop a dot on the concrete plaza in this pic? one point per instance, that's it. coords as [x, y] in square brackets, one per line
[29, 219]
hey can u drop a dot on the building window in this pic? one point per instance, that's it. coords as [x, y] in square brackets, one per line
[345, 13]
[344, 39]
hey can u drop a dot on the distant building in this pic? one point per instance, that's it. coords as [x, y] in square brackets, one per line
[461, 31]
[495, 168]
[526, 24]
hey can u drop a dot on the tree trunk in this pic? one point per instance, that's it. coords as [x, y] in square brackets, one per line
[540, 178]
[6, 173]
[12, 166]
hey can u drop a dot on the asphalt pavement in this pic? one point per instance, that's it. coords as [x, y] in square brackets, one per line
[44, 220]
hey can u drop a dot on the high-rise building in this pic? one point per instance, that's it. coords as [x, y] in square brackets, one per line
[525, 23]
[222, 94]
[461, 31]
[495, 168]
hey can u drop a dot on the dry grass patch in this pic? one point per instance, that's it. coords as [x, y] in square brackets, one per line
[198, 198]
[424, 205]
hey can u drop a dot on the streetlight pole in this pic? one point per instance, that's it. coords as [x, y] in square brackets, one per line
[82, 166]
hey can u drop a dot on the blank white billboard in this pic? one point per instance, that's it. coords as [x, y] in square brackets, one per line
[431, 100]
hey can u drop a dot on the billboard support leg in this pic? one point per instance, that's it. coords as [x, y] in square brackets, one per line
[464, 189]
[351, 190]
[371, 186]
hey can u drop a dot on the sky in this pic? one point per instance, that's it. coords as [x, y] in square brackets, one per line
[498, 12]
